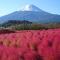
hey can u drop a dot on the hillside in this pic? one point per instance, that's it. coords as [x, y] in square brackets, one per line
[33, 14]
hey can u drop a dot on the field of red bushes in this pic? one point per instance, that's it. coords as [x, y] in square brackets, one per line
[30, 45]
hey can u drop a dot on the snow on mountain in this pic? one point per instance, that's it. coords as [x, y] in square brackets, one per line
[30, 8]
[33, 14]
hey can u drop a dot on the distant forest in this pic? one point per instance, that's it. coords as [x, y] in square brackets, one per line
[27, 25]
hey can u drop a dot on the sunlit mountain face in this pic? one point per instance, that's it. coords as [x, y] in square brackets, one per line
[33, 14]
[30, 8]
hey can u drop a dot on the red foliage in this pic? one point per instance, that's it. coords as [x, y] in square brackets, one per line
[30, 45]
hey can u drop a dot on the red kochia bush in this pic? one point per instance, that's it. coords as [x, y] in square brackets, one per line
[30, 45]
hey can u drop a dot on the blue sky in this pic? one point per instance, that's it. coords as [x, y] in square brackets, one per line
[9, 6]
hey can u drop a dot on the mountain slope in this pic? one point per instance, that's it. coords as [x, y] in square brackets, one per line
[33, 14]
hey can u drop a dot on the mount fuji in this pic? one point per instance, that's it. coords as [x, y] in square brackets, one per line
[33, 14]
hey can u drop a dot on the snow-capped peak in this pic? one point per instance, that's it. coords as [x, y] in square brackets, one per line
[30, 8]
